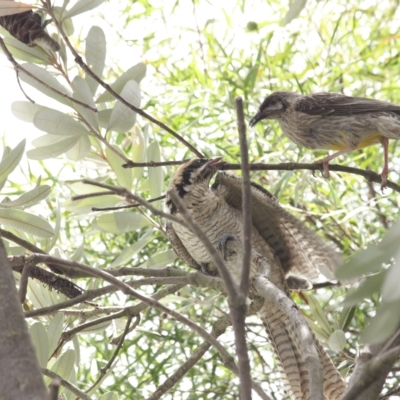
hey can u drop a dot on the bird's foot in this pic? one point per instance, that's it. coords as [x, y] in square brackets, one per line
[384, 175]
[208, 269]
[325, 166]
[224, 240]
[297, 283]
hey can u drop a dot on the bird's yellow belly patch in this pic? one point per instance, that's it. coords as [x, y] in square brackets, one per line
[364, 142]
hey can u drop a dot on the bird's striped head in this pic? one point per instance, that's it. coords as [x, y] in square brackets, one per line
[273, 106]
[193, 177]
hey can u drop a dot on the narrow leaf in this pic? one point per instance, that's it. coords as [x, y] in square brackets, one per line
[82, 93]
[82, 6]
[46, 78]
[40, 342]
[95, 55]
[319, 314]
[25, 110]
[138, 151]
[65, 364]
[124, 175]
[54, 150]
[34, 55]
[80, 150]
[136, 73]
[55, 330]
[337, 341]
[123, 118]
[12, 7]
[58, 123]
[10, 162]
[156, 176]
[25, 222]
[29, 198]
[120, 222]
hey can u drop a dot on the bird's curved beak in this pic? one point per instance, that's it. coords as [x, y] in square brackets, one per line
[257, 118]
[216, 163]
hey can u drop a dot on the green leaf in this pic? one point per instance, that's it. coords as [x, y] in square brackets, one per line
[95, 54]
[57, 123]
[29, 198]
[84, 206]
[82, 6]
[367, 288]
[346, 316]
[318, 313]
[25, 222]
[10, 162]
[25, 110]
[40, 342]
[128, 253]
[295, 8]
[23, 52]
[54, 150]
[390, 287]
[159, 260]
[123, 118]
[64, 366]
[55, 330]
[124, 175]
[383, 325]
[120, 222]
[156, 176]
[138, 151]
[46, 78]
[337, 341]
[80, 150]
[83, 94]
[104, 117]
[136, 73]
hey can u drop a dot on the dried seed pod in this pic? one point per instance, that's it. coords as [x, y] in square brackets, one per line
[27, 28]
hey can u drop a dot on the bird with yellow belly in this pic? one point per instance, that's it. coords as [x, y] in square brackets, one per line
[333, 121]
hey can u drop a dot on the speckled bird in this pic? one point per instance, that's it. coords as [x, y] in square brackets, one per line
[286, 243]
[333, 121]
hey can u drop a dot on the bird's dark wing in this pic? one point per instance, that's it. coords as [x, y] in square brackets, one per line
[179, 248]
[298, 247]
[341, 105]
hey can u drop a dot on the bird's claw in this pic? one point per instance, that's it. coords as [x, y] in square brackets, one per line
[222, 243]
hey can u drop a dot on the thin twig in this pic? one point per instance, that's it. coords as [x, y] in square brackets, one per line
[66, 384]
[18, 67]
[103, 371]
[225, 356]
[128, 206]
[238, 304]
[23, 283]
[131, 164]
[88, 195]
[369, 175]
[54, 388]
[127, 194]
[85, 67]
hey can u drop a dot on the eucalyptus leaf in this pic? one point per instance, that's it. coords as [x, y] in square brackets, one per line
[40, 341]
[57, 123]
[383, 325]
[156, 176]
[123, 118]
[337, 341]
[53, 150]
[109, 396]
[120, 222]
[29, 198]
[318, 313]
[138, 151]
[25, 222]
[80, 149]
[46, 78]
[136, 73]
[23, 52]
[82, 6]
[25, 110]
[372, 284]
[124, 175]
[64, 366]
[128, 253]
[55, 330]
[12, 7]
[11, 160]
[95, 54]
[83, 93]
